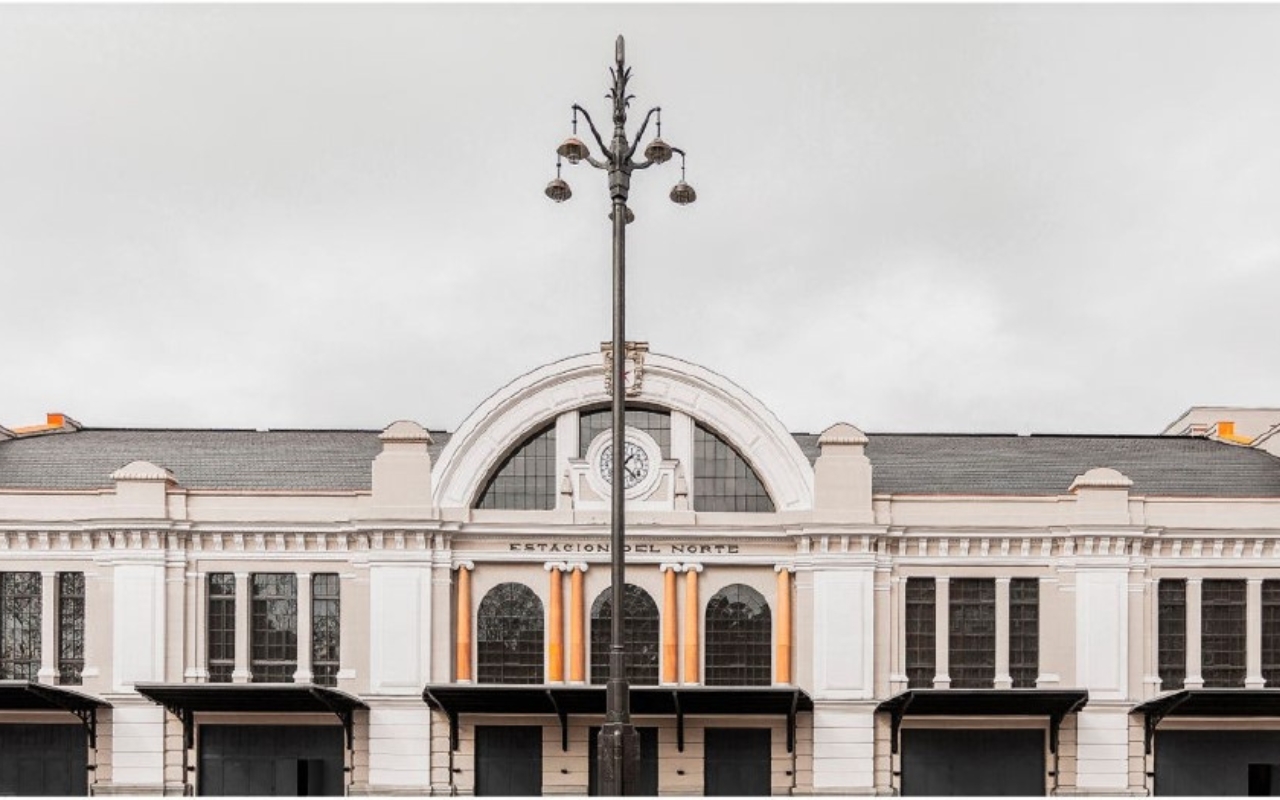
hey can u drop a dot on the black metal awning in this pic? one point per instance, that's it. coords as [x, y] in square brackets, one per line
[1207, 703]
[31, 696]
[1052, 703]
[184, 700]
[454, 699]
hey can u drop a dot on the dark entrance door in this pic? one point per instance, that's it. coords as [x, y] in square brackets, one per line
[646, 782]
[1237, 763]
[43, 760]
[270, 760]
[509, 760]
[973, 762]
[736, 761]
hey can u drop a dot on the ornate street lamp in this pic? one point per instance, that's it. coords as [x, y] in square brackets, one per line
[619, 750]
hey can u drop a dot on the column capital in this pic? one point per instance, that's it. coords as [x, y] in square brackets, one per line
[556, 566]
[580, 566]
[669, 567]
[693, 568]
[1254, 581]
[784, 567]
[942, 579]
[467, 565]
[1194, 581]
[1005, 580]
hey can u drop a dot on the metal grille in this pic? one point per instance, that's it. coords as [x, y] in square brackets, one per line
[20, 608]
[738, 630]
[1222, 633]
[273, 647]
[70, 627]
[921, 636]
[1024, 632]
[509, 636]
[527, 479]
[1171, 637]
[325, 628]
[722, 479]
[221, 626]
[640, 622]
[1271, 632]
[655, 423]
[972, 640]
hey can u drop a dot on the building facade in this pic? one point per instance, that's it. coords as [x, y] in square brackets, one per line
[426, 612]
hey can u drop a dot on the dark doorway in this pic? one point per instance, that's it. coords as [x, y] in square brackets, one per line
[509, 760]
[43, 760]
[646, 781]
[271, 760]
[737, 762]
[973, 762]
[1237, 763]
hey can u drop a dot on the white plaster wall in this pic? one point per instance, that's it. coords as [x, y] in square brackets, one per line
[843, 749]
[1102, 749]
[843, 612]
[399, 628]
[138, 629]
[137, 745]
[399, 747]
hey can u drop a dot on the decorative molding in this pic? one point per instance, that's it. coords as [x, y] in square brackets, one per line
[467, 565]
[406, 430]
[142, 471]
[670, 567]
[692, 568]
[842, 433]
[1100, 478]
[556, 566]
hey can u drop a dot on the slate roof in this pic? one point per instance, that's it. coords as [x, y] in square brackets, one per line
[908, 463]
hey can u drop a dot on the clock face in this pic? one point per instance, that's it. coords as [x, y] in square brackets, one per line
[635, 464]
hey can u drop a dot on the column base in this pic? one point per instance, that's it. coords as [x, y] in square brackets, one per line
[1254, 683]
[241, 676]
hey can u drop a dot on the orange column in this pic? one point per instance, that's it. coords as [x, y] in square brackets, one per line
[670, 624]
[577, 645]
[783, 657]
[462, 647]
[691, 619]
[555, 627]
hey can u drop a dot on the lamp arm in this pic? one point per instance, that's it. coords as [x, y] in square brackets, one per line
[640, 133]
[643, 164]
[603, 147]
[598, 164]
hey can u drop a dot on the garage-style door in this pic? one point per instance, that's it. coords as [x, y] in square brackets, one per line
[1236, 763]
[509, 760]
[973, 762]
[737, 762]
[270, 760]
[43, 760]
[646, 781]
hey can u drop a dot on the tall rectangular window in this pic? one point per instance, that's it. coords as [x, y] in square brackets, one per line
[20, 608]
[1222, 633]
[972, 639]
[221, 627]
[1024, 632]
[1271, 632]
[325, 629]
[921, 639]
[70, 627]
[273, 651]
[1171, 637]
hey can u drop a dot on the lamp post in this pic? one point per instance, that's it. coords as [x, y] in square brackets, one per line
[619, 750]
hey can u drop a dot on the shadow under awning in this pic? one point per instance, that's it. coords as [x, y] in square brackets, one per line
[1055, 704]
[454, 699]
[1206, 703]
[184, 700]
[32, 696]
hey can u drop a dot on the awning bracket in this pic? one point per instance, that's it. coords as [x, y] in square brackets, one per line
[895, 722]
[1154, 717]
[88, 716]
[564, 721]
[791, 722]
[675, 700]
[345, 715]
[187, 718]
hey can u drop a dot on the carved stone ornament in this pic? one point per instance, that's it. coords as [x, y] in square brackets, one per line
[633, 367]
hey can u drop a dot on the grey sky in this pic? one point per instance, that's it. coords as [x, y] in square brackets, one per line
[912, 218]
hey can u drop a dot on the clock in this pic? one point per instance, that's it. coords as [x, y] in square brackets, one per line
[635, 464]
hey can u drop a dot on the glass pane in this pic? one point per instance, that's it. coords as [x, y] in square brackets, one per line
[921, 633]
[220, 627]
[642, 626]
[738, 630]
[722, 479]
[972, 636]
[20, 610]
[70, 627]
[653, 422]
[273, 645]
[509, 638]
[527, 479]
[1172, 633]
[325, 629]
[1024, 632]
[1222, 633]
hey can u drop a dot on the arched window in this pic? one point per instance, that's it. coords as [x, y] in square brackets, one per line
[527, 479]
[722, 478]
[738, 630]
[640, 624]
[655, 422]
[509, 635]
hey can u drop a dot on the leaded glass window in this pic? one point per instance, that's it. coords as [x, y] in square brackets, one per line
[325, 628]
[221, 626]
[921, 638]
[722, 478]
[641, 624]
[509, 635]
[1024, 632]
[527, 479]
[1271, 632]
[273, 651]
[1171, 638]
[70, 627]
[1222, 633]
[972, 639]
[738, 631]
[655, 423]
[20, 608]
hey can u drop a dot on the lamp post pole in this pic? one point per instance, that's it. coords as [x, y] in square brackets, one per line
[619, 749]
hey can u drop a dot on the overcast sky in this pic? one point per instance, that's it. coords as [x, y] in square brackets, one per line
[910, 218]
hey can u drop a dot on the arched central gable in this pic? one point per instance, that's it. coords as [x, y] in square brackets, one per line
[538, 397]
